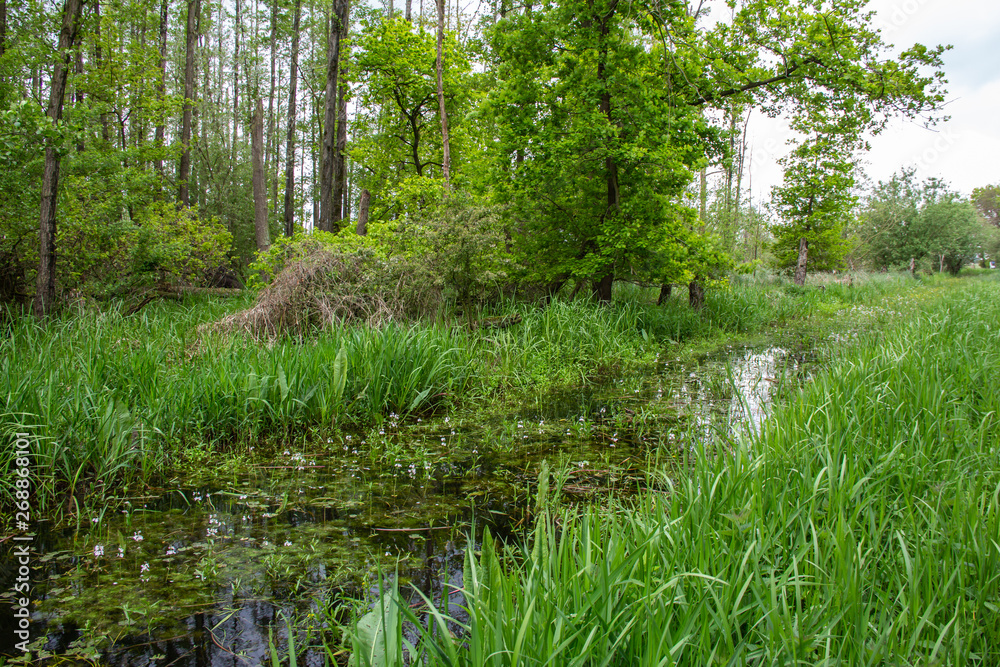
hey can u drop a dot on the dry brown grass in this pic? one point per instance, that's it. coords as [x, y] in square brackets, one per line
[325, 288]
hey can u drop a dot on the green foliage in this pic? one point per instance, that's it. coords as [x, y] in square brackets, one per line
[987, 201]
[815, 201]
[457, 250]
[594, 149]
[927, 222]
[177, 245]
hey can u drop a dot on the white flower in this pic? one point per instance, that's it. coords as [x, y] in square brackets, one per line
[171, 551]
[144, 568]
[98, 550]
[287, 543]
[121, 552]
[137, 537]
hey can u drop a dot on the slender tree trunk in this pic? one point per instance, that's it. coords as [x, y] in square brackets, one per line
[913, 267]
[161, 91]
[3, 24]
[446, 159]
[603, 289]
[339, 170]
[290, 142]
[270, 151]
[409, 11]
[191, 41]
[800, 267]
[363, 212]
[237, 29]
[45, 289]
[259, 188]
[330, 119]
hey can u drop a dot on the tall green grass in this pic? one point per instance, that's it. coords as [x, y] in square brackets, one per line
[861, 526]
[106, 397]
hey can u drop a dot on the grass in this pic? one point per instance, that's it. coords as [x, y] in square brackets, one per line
[860, 526]
[109, 400]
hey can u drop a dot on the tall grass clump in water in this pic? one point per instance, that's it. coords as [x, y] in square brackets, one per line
[106, 398]
[861, 526]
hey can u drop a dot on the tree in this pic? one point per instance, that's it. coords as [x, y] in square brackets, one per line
[259, 186]
[289, 212]
[815, 202]
[439, 70]
[603, 116]
[928, 222]
[46, 288]
[190, 42]
[338, 28]
[987, 201]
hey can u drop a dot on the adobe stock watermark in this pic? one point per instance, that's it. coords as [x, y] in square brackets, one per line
[22, 542]
[899, 15]
[943, 143]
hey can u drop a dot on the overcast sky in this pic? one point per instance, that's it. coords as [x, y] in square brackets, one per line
[965, 151]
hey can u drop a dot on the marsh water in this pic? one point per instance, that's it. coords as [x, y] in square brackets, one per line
[207, 570]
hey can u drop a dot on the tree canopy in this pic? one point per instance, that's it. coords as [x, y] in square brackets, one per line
[581, 124]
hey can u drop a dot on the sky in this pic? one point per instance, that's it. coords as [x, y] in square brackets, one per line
[965, 150]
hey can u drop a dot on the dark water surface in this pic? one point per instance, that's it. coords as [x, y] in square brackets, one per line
[198, 574]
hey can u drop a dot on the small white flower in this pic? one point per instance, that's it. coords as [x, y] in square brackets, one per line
[98, 550]
[171, 551]
[144, 568]
[137, 537]
[287, 543]
[121, 552]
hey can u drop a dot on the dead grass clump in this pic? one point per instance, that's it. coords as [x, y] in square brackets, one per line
[318, 290]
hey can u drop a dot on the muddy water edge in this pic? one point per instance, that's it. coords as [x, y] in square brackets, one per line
[206, 569]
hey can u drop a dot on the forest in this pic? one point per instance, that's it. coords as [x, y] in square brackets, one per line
[360, 334]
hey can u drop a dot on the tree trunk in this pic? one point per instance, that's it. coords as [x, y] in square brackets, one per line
[45, 290]
[290, 142]
[696, 295]
[259, 187]
[610, 166]
[161, 91]
[191, 41]
[271, 149]
[3, 24]
[800, 267]
[363, 213]
[339, 170]
[602, 287]
[446, 160]
[237, 29]
[409, 11]
[664, 294]
[330, 121]
[913, 267]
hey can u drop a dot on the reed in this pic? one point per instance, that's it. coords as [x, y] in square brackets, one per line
[859, 526]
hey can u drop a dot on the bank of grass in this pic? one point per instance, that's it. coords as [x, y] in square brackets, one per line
[861, 526]
[110, 399]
